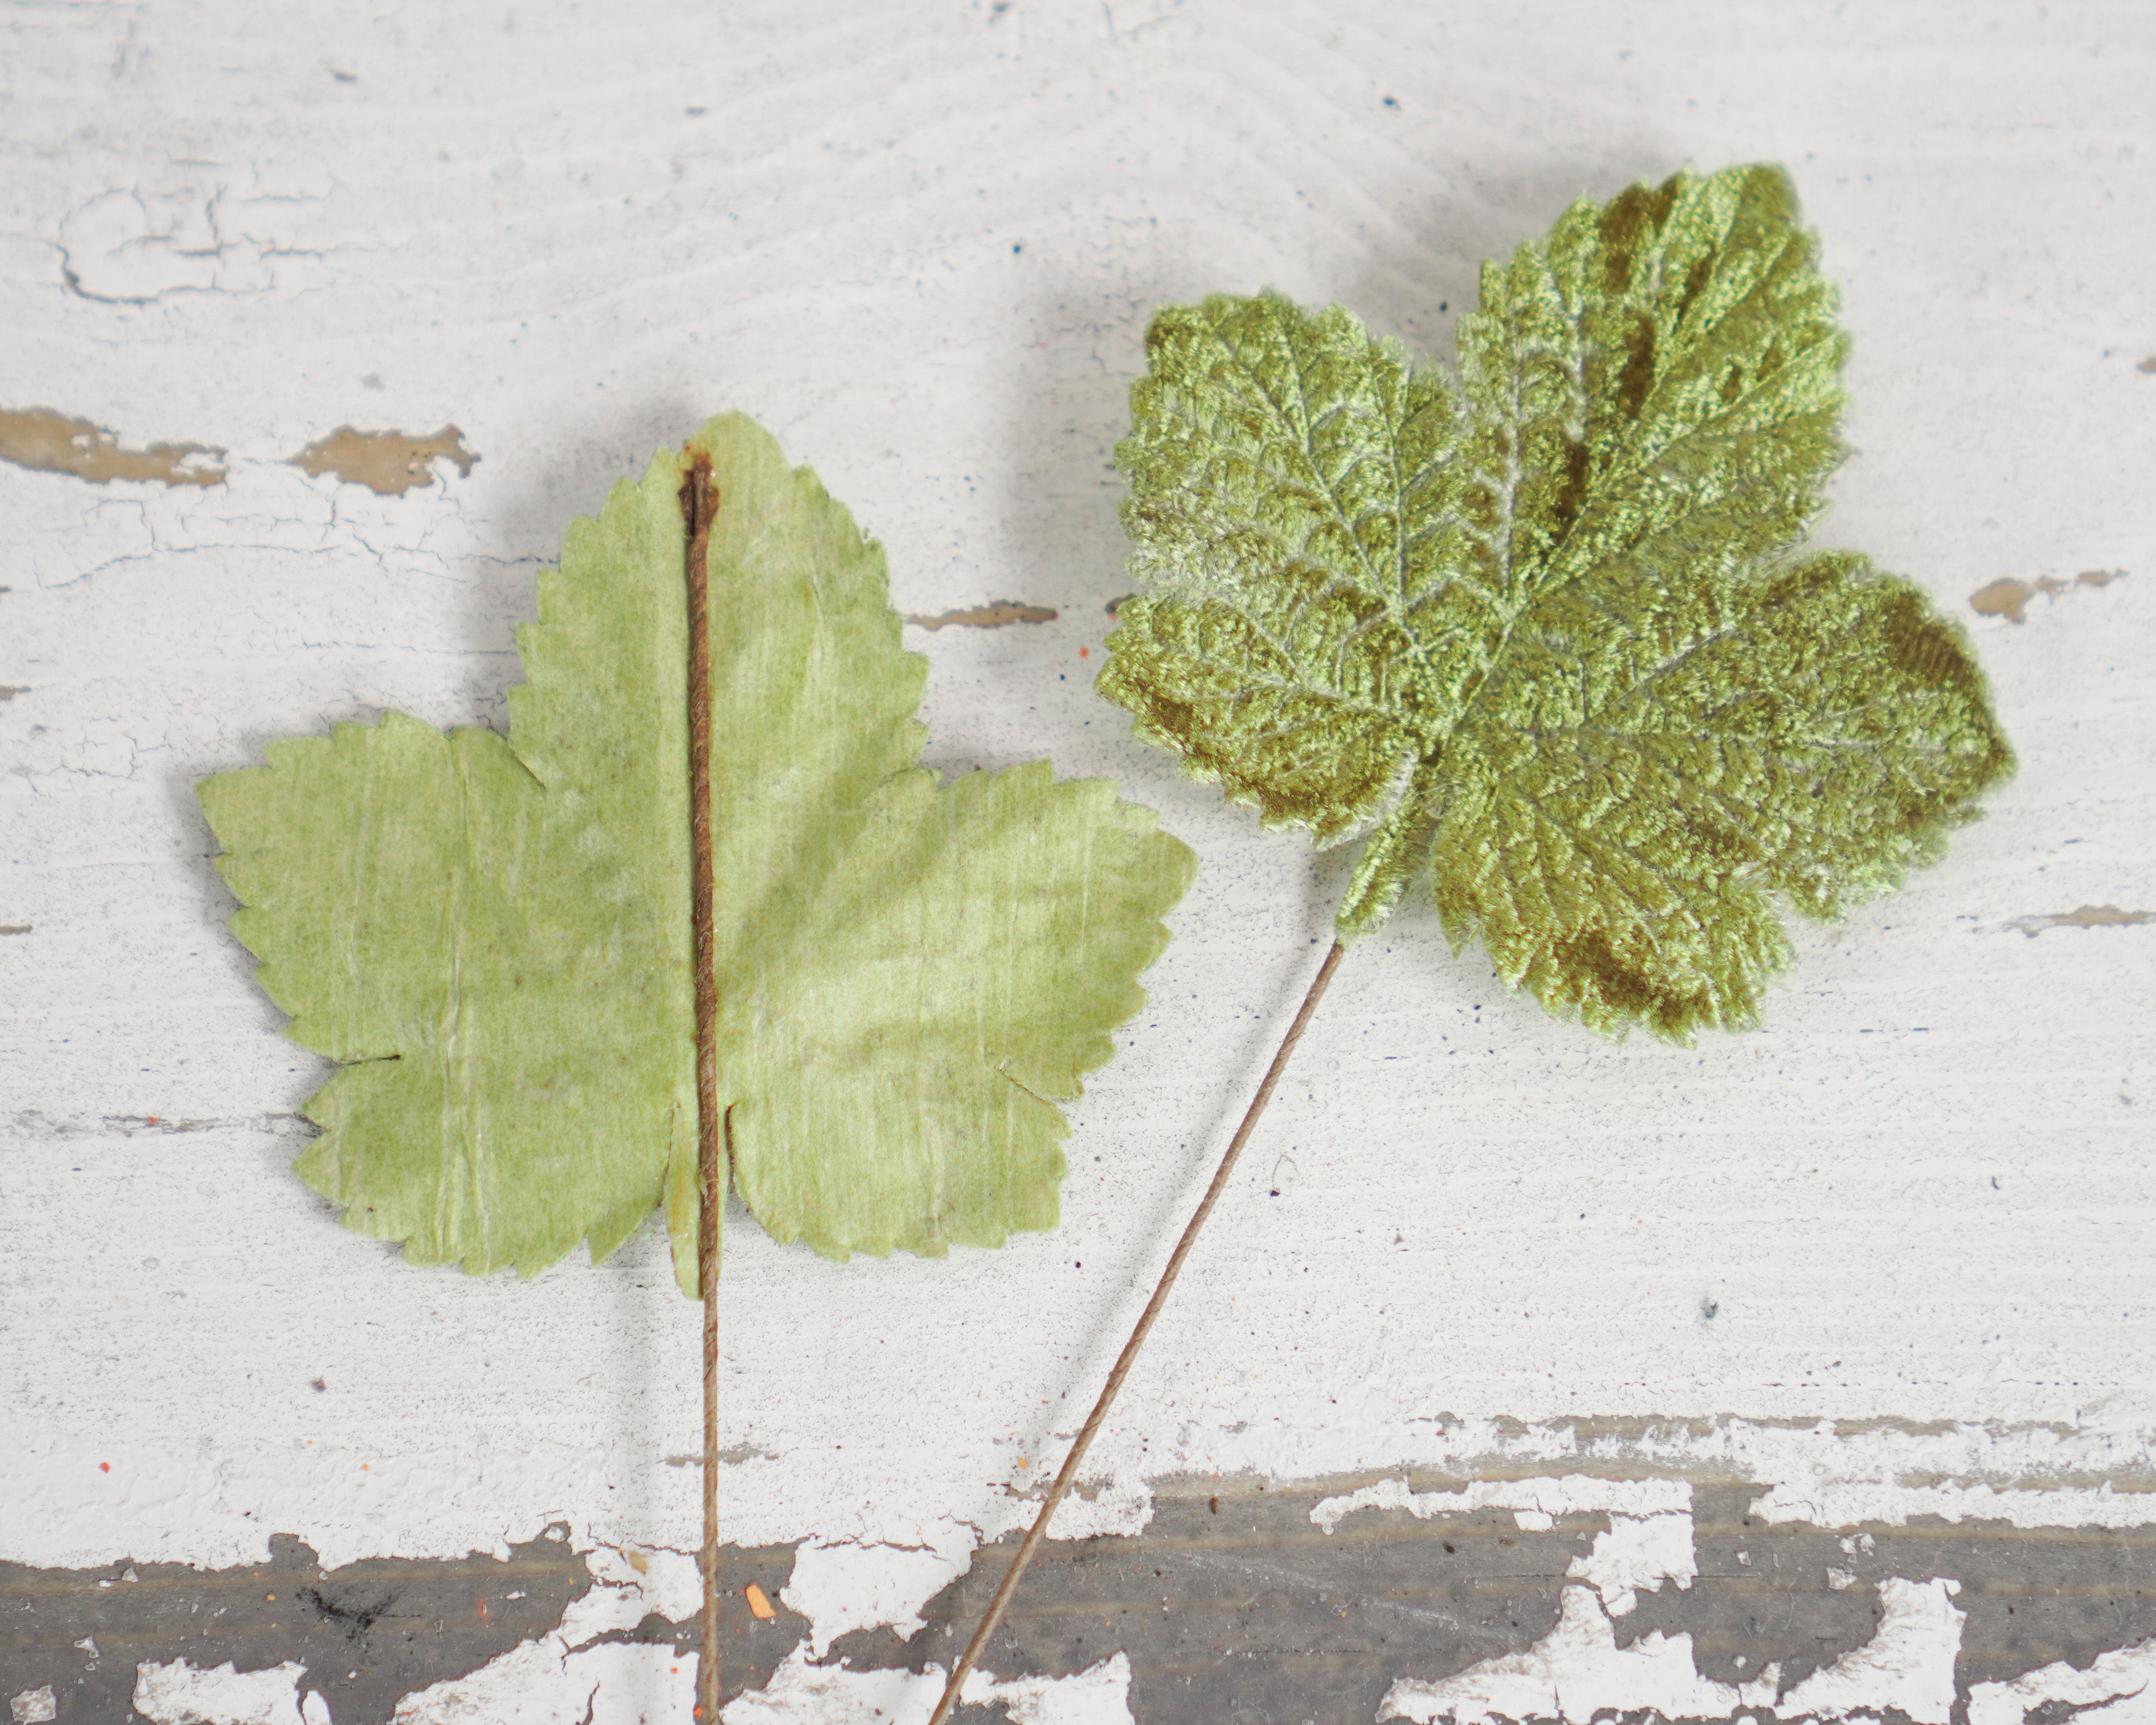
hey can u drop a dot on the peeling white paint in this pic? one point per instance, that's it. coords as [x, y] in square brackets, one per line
[1907, 1665]
[1547, 1498]
[1121, 1506]
[840, 1587]
[1099, 1695]
[1577, 1671]
[178, 1694]
[557, 1675]
[1846, 1503]
[803, 1693]
[2116, 1688]
[34, 1707]
[542, 1683]
[1637, 1552]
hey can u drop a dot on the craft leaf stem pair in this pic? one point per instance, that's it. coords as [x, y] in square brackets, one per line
[1541, 638]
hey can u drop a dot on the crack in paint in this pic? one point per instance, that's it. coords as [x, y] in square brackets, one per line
[31, 1124]
[44, 441]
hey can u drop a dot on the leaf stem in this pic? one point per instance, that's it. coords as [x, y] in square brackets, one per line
[699, 501]
[1128, 1357]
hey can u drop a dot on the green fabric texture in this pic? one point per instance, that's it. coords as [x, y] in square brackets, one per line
[1541, 638]
[493, 936]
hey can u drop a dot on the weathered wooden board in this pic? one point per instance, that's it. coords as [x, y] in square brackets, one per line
[1885, 1261]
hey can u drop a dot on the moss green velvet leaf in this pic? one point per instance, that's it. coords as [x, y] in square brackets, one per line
[494, 934]
[1541, 638]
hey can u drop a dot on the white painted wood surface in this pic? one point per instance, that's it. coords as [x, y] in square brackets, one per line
[920, 244]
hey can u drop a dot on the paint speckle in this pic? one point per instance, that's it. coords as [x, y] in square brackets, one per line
[389, 462]
[759, 1604]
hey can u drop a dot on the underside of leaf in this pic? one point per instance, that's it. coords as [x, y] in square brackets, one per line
[493, 934]
[1543, 637]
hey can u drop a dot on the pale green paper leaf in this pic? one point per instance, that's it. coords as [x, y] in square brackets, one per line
[431, 915]
[1538, 636]
[909, 973]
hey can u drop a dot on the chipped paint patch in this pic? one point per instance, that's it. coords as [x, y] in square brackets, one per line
[46, 442]
[1577, 1671]
[389, 462]
[2010, 597]
[2087, 916]
[995, 615]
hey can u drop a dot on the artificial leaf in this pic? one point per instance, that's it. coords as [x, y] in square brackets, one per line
[493, 934]
[1541, 637]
